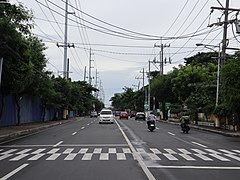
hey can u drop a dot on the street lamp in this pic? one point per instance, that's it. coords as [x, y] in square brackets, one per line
[218, 69]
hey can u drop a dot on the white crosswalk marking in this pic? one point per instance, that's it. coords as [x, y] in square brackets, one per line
[154, 157]
[68, 151]
[53, 157]
[70, 156]
[54, 150]
[226, 151]
[24, 151]
[237, 151]
[104, 156]
[38, 151]
[219, 157]
[5, 156]
[184, 151]
[155, 151]
[233, 156]
[170, 151]
[36, 157]
[87, 157]
[187, 157]
[112, 150]
[9, 151]
[121, 156]
[203, 157]
[170, 157]
[83, 151]
[17, 158]
[97, 151]
[126, 150]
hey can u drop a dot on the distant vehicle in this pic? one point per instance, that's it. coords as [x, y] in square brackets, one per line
[123, 115]
[140, 115]
[93, 114]
[117, 113]
[106, 116]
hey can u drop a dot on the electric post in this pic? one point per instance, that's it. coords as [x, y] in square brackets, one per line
[161, 56]
[90, 67]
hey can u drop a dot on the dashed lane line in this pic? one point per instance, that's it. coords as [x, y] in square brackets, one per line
[14, 172]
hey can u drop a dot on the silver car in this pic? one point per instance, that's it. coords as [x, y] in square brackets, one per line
[106, 116]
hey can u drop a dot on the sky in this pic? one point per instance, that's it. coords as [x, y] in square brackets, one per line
[121, 35]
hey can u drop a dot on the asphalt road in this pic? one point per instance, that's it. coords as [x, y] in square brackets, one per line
[85, 149]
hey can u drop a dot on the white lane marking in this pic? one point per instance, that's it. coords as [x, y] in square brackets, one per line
[83, 151]
[68, 151]
[194, 167]
[82, 128]
[52, 151]
[38, 151]
[14, 172]
[58, 144]
[112, 150]
[88, 124]
[5, 156]
[199, 144]
[171, 133]
[135, 154]
[155, 151]
[24, 151]
[74, 133]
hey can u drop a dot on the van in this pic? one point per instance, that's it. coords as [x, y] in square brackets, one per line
[106, 116]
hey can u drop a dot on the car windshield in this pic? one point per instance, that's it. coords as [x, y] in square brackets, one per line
[106, 112]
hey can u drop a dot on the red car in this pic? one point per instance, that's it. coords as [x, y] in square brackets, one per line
[123, 115]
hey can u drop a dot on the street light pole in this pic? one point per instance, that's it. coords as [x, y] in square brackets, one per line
[218, 67]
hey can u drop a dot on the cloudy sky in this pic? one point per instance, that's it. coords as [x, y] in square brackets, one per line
[122, 34]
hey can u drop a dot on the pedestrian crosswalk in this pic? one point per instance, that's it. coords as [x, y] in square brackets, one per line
[118, 153]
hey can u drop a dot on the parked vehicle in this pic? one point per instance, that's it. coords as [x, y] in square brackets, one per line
[132, 114]
[106, 116]
[93, 114]
[123, 115]
[140, 115]
[117, 113]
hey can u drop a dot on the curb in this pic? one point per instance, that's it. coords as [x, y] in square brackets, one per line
[25, 132]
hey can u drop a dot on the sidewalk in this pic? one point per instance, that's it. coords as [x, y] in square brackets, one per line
[11, 132]
[224, 132]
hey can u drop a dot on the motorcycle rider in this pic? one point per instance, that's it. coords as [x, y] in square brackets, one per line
[151, 119]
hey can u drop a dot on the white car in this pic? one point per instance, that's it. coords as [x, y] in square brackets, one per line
[106, 116]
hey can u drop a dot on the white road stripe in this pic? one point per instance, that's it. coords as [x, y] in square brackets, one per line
[199, 144]
[219, 157]
[184, 151]
[58, 144]
[154, 157]
[199, 151]
[187, 157]
[171, 133]
[68, 151]
[233, 157]
[170, 151]
[203, 157]
[237, 151]
[170, 157]
[74, 133]
[155, 151]
[14, 172]
[126, 151]
[82, 127]
[97, 151]
[226, 151]
[135, 154]
[194, 167]
[9, 151]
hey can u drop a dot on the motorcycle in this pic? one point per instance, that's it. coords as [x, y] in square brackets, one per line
[185, 127]
[151, 125]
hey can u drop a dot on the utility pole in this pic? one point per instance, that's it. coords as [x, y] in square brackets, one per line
[161, 56]
[1, 64]
[149, 88]
[90, 67]
[85, 71]
[65, 44]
